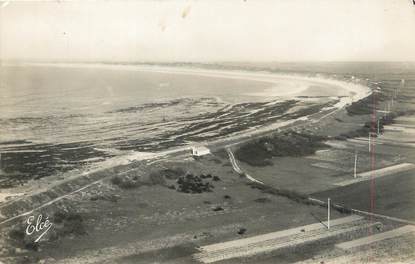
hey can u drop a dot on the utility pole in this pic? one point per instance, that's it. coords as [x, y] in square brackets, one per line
[378, 127]
[355, 165]
[328, 213]
[369, 141]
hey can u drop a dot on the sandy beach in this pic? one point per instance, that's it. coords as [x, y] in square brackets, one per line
[356, 91]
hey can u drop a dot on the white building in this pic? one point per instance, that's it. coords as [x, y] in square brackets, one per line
[198, 151]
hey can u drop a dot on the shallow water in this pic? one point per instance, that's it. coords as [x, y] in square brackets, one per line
[55, 119]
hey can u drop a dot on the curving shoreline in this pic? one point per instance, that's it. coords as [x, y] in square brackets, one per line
[359, 91]
[356, 91]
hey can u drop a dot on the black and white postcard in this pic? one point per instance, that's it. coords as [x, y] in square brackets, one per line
[207, 131]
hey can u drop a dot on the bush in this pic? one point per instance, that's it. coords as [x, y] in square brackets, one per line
[193, 184]
[259, 152]
[217, 208]
[241, 231]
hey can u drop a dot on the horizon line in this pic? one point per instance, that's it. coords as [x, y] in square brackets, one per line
[198, 61]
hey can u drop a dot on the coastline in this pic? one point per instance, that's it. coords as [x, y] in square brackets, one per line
[357, 92]
[168, 213]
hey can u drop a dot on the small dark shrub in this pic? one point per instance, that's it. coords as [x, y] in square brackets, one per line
[215, 178]
[217, 208]
[193, 184]
[241, 231]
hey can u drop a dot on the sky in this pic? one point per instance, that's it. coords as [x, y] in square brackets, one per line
[211, 30]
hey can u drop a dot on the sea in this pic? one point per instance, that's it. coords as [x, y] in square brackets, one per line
[57, 118]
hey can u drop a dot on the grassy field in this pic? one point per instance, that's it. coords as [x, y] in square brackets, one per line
[393, 195]
[116, 220]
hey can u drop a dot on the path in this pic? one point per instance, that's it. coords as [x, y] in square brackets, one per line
[236, 167]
